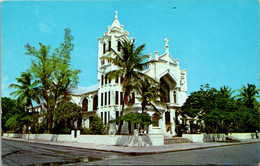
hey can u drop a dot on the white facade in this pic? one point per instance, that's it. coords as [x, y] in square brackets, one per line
[104, 99]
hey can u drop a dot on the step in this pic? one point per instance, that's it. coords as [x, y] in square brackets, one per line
[175, 140]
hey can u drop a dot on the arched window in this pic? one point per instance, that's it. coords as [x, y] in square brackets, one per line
[109, 46]
[102, 80]
[165, 89]
[155, 118]
[108, 97]
[167, 118]
[95, 102]
[85, 105]
[105, 98]
[121, 79]
[117, 97]
[174, 97]
[104, 48]
[101, 99]
[106, 79]
[118, 45]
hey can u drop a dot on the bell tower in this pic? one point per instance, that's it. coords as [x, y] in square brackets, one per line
[110, 92]
[111, 40]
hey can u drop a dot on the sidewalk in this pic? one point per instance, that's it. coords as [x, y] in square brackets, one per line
[138, 150]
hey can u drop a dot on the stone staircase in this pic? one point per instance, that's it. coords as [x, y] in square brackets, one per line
[231, 139]
[175, 140]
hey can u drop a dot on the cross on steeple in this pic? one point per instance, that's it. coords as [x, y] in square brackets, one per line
[116, 22]
[166, 45]
[166, 41]
[116, 14]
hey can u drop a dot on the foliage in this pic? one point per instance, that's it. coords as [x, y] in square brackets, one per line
[96, 126]
[248, 96]
[27, 91]
[219, 111]
[41, 127]
[64, 117]
[138, 118]
[56, 76]
[84, 130]
[129, 62]
[149, 92]
[12, 115]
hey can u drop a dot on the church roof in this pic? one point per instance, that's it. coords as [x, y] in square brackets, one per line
[83, 90]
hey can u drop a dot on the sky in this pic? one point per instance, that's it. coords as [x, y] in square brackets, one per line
[216, 41]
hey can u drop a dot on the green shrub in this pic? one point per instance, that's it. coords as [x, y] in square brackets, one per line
[84, 130]
[66, 131]
[96, 126]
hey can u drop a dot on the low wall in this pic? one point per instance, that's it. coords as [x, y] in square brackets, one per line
[48, 137]
[214, 137]
[193, 137]
[157, 140]
[243, 135]
[205, 137]
[13, 135]
[98, 139]
[125, 140]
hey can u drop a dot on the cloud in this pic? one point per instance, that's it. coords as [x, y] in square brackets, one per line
[45, 24]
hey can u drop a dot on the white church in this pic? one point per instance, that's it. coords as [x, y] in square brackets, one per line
[104, 99]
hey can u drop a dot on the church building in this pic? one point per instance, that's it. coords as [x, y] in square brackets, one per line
[105, 98]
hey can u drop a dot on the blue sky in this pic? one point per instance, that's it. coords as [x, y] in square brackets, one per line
[216, 41]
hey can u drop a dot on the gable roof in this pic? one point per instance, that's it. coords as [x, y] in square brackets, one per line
[167, 57]
[83, 90]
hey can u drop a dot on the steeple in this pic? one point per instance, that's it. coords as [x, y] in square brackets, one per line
[116, 22]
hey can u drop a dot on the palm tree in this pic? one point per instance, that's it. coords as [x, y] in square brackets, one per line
[149, 93]
[129, 62]
[26, 91]
[226, 91]
[248, 96]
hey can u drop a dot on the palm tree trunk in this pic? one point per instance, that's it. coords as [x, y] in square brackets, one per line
[33, 120]
[126, 94]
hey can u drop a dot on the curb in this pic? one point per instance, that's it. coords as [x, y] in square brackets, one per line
[136, 153]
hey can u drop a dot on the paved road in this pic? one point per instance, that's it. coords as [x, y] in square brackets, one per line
[246, 154]
[24, 153]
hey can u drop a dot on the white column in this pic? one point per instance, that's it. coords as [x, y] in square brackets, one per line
[172, 116]
[171, 96]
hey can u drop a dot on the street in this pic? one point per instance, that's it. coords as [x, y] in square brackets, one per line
[247, 154]
[24, 153]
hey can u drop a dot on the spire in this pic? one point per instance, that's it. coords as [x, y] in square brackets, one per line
[116, 22]
[166, 45]
[116, 15]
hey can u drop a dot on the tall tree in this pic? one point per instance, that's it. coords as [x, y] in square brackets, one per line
[129, 62]
[248, 96]
[65, 117]
[57, 77]
[150, 93]
[27, 92]
[221, 112]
